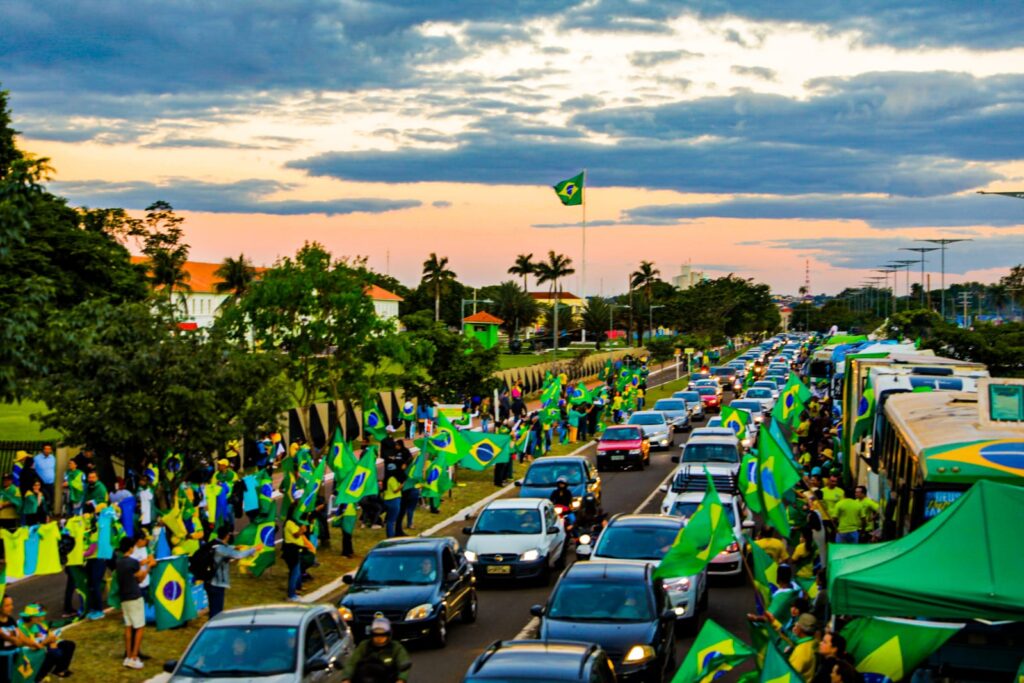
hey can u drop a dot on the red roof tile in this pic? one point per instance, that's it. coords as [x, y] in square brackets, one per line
[483, 317]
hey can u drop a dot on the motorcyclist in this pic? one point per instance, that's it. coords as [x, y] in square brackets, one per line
[562, 495]
[378, 659]
[591, 516]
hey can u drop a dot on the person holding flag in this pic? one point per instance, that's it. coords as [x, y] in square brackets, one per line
[295, 541]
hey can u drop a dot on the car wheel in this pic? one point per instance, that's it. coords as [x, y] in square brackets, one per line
[544, 578]
[439, 634]
[470, 610]
[560, 563]
[702, 602]
[670, 662]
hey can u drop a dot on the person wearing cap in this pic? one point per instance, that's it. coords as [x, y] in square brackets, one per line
[378, 658]
[803, 654]
[37, 636]
[562, 495]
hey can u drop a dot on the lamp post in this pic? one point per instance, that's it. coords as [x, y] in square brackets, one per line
[611, 313]
[942, 247]
[885, 276]
[906, 263]
[650, 314]
[922, 251]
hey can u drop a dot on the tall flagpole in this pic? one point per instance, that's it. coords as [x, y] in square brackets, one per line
[583, 278]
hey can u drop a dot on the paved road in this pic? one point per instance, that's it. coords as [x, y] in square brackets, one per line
[505, 611]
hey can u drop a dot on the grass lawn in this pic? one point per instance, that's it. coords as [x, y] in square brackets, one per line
[16, 425]
[100, 643]
[507, 361]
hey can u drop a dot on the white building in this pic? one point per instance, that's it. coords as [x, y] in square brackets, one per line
[687, 277]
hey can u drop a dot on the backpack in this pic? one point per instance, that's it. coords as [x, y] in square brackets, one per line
[203, 563]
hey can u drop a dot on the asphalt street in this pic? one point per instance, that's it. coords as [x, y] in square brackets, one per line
[504, 611]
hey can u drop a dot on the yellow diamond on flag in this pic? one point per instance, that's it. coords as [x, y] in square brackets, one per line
[171, 591]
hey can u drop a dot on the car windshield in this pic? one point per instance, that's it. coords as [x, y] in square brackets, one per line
[397, 569]
[706, 391]
[601, 599]
[691, 396]
[766, 384]
[620, 434]
[508, 521]
[241, 652]
[647, 419]
[723, 372]
[635, 542]
[670, 404]
[749, 406]
[760, 393]
[687, 508]
[710, 452]
[547, 474]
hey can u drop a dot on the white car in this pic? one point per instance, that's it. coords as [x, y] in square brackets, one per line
[767, 384]
[728, 562]
[746, 442]
[516, 538]
[720, 454]
[656, 428]
[764, 395]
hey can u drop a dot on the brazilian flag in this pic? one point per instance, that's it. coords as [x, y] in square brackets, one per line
[776, 475]
[736, 420]
[171, 592]
[374, 423]
[747, 482]
[26, 665]
[893, 648]
[341, 458]
[777, 669]
[361, 481]
[791, 401]
[765, 572]
[865, 419]
[447, 441]
[171, 465]
[485, 450]
[570, 190]
[437, 482]
[712, 653]
[707, 533]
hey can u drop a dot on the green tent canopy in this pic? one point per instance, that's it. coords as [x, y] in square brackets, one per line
[966, 563]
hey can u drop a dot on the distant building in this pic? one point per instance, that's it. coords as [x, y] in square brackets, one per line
[484, 327]
[200, 306]
[687, 277]
[569, 299]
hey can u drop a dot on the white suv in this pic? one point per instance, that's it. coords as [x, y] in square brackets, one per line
[516, 538]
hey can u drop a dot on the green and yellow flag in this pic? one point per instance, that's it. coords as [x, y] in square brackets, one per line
[736, 420]
[775, 476]
[747, 482]
[707, 533]
[570, 191]
[894, 647]
[374, 423]
[776, 668]
[361, 481]
[713, 652]
[447, 441]
[341, 458]
[171, 592]
[865, 412]
[27, 664]
[765, 572]
[485, 450]
[791, 401]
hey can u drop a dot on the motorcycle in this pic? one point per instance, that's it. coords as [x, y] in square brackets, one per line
[567, 514]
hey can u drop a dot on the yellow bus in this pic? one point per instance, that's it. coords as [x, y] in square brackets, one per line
[932, 446]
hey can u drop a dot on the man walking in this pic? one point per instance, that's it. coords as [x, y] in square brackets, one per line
[130, 574]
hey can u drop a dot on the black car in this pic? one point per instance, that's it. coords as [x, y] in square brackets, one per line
[419, 584]
[620, 607]
[539, 660]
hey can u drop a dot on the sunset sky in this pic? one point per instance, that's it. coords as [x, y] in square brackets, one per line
[739, 137]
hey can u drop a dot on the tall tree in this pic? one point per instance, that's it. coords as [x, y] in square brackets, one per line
[456, 365]
[163, 242]
[597, 318]
[524, 267]
[236, 275]
[557, 267]
[644, 278]
[437, 275]
[515, 307]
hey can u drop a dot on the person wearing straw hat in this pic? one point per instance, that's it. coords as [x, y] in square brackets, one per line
[38, 636]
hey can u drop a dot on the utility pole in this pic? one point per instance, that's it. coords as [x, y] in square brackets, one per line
[922, 251]
[942, 246]
[965, 299]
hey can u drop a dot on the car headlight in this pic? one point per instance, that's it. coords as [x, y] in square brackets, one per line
[575, 503]
[759, 419]
[419, 612]
[345, 613]
[634, 451]
[530, 555]
[731, 548]
[746, 443]
[585, 539]
[470, 556]
[680, 585]
[638, 654]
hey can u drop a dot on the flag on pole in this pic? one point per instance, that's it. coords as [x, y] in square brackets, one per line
[570, 190]
[775, 476]
[776, 668]
[736, 420]
[894, 647]
[791, 401]
[340, 458]
[747, 482]
[707, 533]
[865, 419]
[361, 481]
[485, 450]
[765, 572]
[373, 422]
[714, 651]
[171, 592]
[447, 441]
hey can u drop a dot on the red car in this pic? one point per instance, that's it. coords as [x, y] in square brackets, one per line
[709, 397]
[623, 446]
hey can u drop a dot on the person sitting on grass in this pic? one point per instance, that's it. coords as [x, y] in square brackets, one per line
[38, 636]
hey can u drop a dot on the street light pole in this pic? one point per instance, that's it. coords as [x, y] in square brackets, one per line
[942, 246]
[922, 251]
[462, 308]
[611, 312]
[650, 314]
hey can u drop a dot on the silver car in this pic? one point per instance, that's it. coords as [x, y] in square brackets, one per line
[656, 428]
[269, 643]
[692, 399]
[676, 411]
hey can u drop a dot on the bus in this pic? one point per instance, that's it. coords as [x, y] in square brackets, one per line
[932, 446]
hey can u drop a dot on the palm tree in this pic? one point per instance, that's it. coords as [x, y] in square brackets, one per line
[167, 270]
[437, 275]
[235, 276]
[645, 276]
[555, 268]
[523, 267]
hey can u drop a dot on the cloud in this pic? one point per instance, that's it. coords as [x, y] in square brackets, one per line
[717, 166]
[441, 204]
[1000, 251]
[198, 143]
[878, 212]
[644, 60]
[578, 224]
[762, 72]
[583, 102]
[894, 113]
[244, 196]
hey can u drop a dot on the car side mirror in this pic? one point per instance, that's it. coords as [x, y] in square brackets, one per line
[668, 616]
[675, 458]
[663, 488]
[318, 663]
[518, 482]
[468, 530]
[592, 480]
[553, 529]
[748, 524]
[348, 578]
[170, 665]
[453, 576]
[537, 610]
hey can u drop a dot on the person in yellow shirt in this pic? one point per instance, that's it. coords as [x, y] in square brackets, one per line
[803, 654]
[848, 519]
[392, 496]
[868, 513]
[832, 494]
[802, 558]
[639, 398]
[773, 545]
